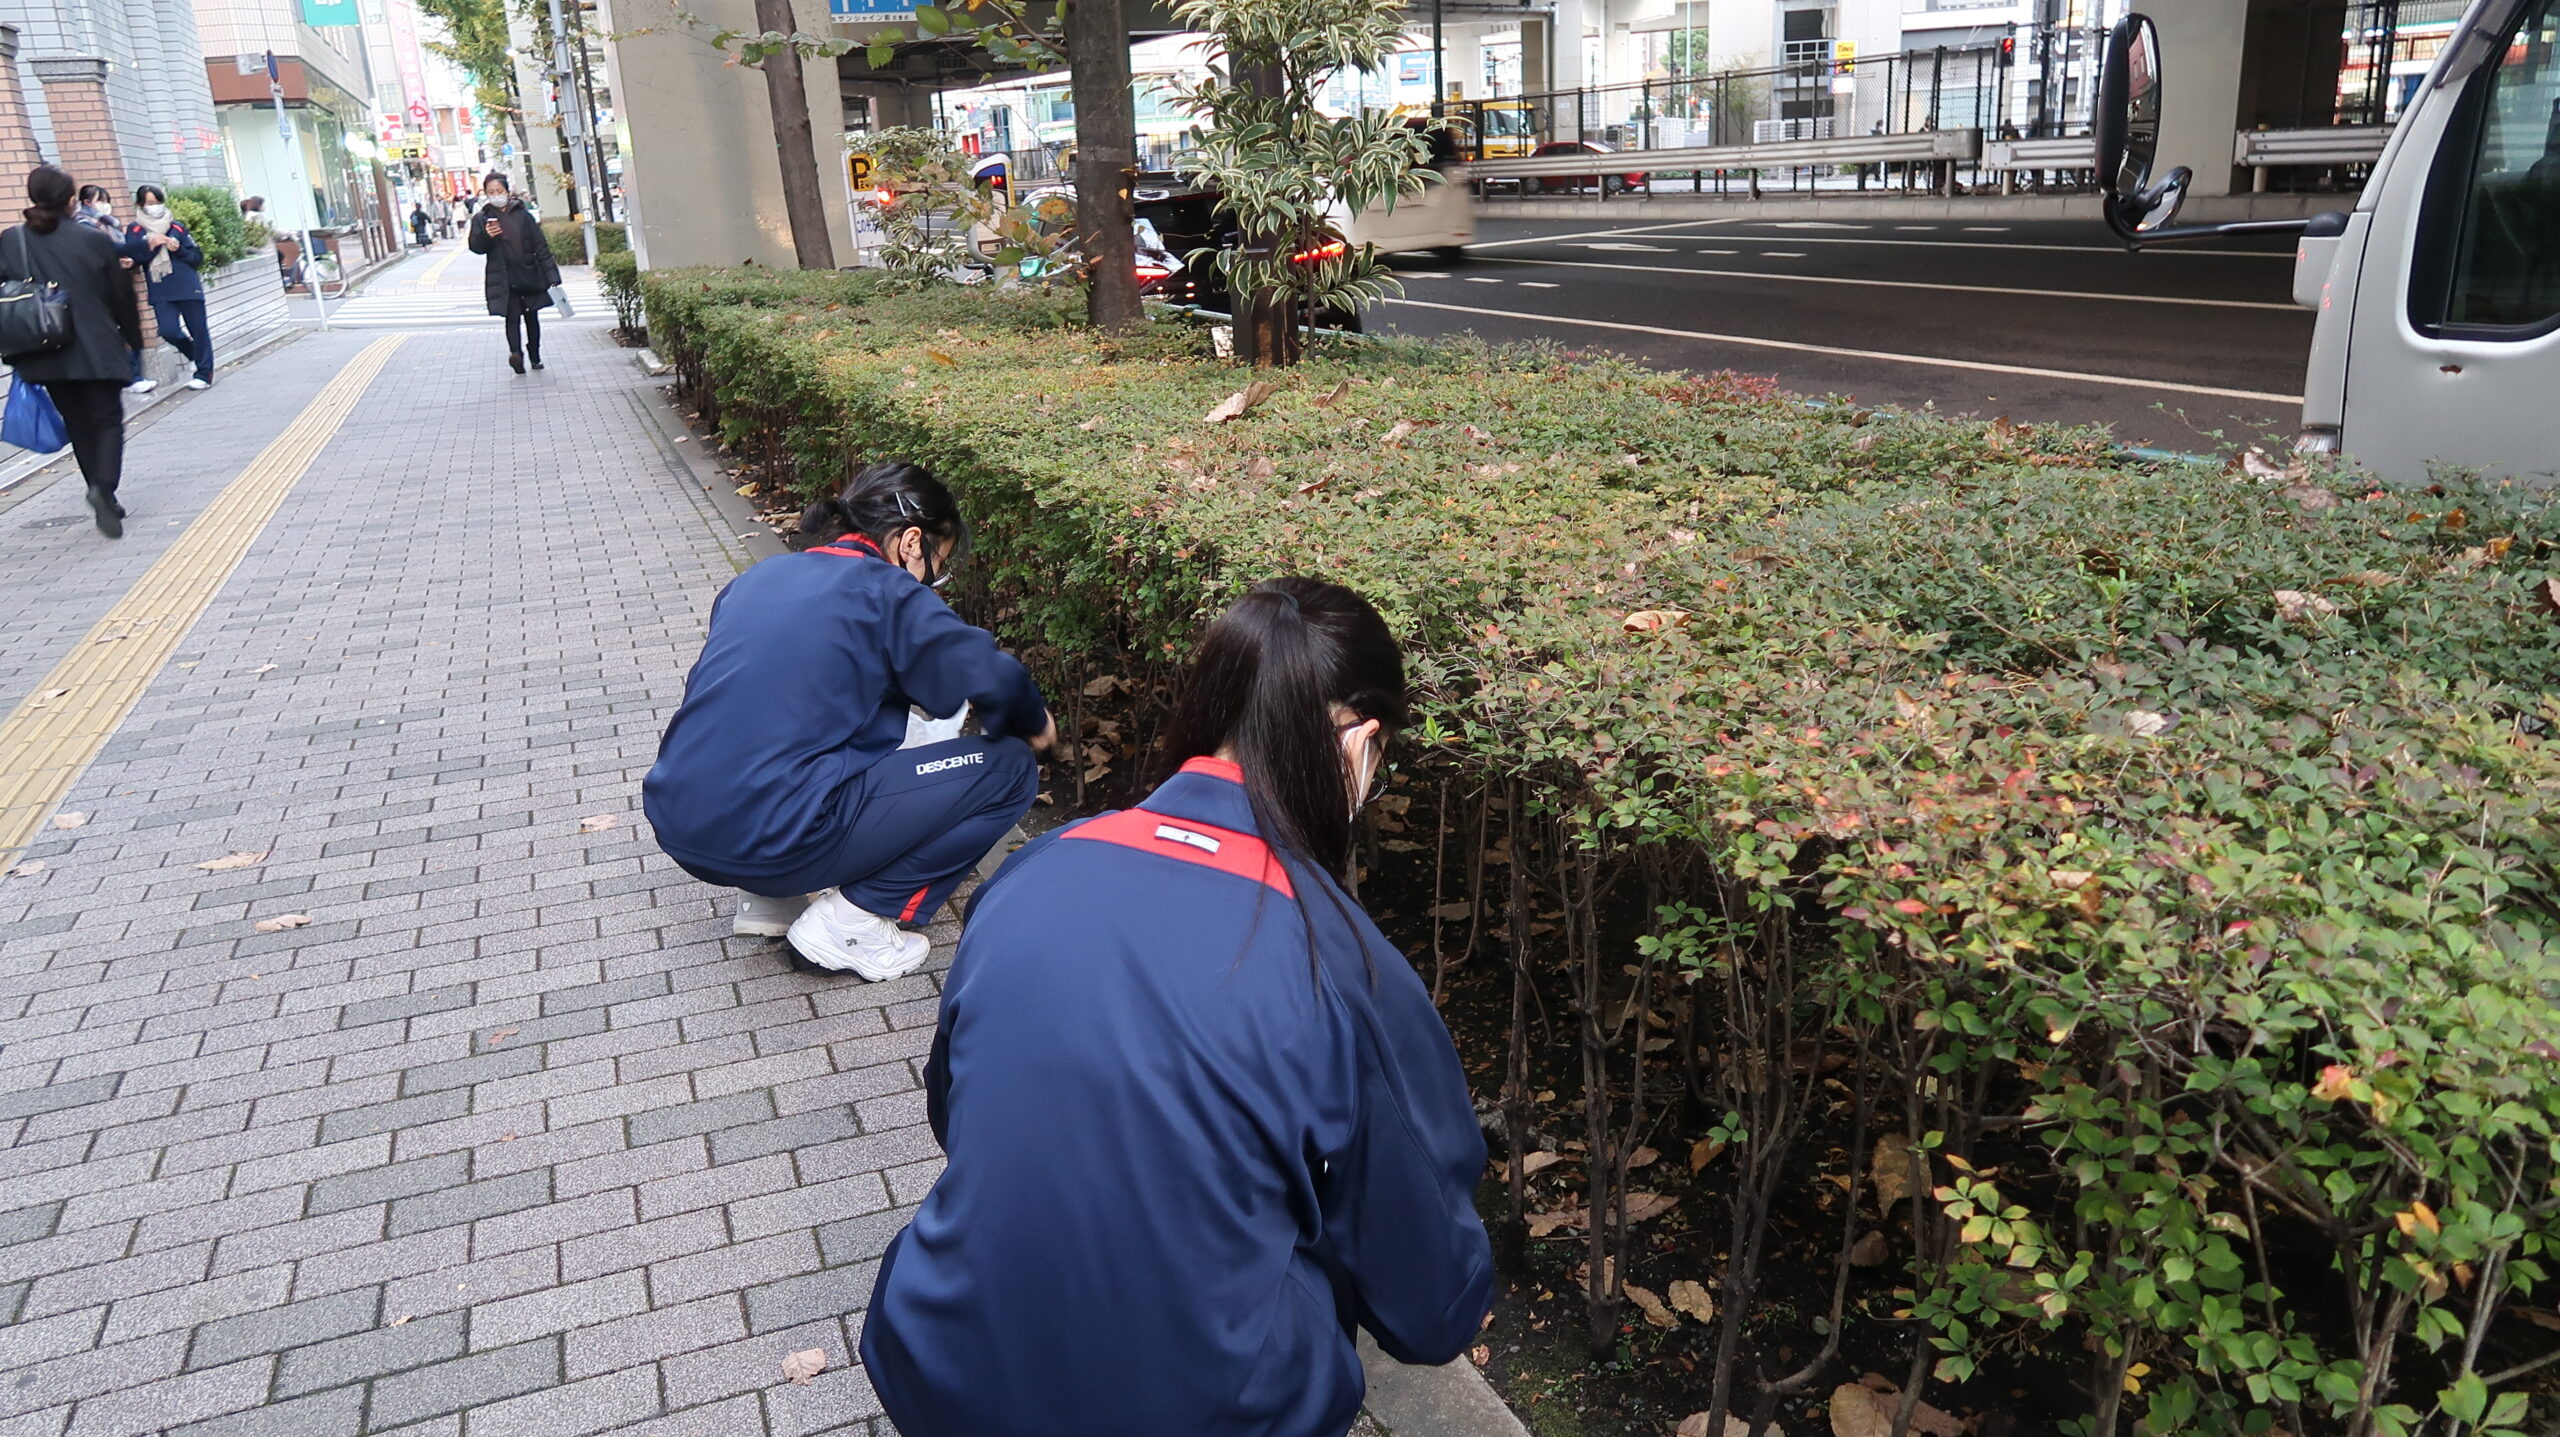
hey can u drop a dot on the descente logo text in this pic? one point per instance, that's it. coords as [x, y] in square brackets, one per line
[957, 760]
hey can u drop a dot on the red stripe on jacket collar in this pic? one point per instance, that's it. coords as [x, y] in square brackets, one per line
[1227, 769]
[1189, 841]
[851, 546]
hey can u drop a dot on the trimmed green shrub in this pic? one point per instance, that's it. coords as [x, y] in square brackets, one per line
[2180, 845]
[619, 272]
[211, 213]
[568, 240]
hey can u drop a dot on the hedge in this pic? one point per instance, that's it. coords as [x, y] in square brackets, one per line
[568, 240]
[211, 213]
[2174, 846]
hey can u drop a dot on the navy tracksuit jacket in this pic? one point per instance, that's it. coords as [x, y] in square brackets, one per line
[1183, 1162]
[776, 775]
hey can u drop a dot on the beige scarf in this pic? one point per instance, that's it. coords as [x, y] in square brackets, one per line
[159, 228]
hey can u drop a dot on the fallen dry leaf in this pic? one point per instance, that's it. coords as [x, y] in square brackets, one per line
[262, 668]
[2294, 604]
[28, 869]
[1480, 1355]
[1691, 1298]
[1695, 1425]
[69, 820]
[1240, 403]
[1703, 1152]
[1870, 1250]
[1866, 1409]
[1091, 425]
[805, 1365]
[1536, 1163]
[938, 357]
[2548, 1321]
[503, 1033]
[1651, 1306]
[1889, 1170]
[1644, 1205]
[232, 860]
[595, 823]
[1544, 1224]
[1398, 432]
[1101, 688]
[1646, 621]
[2548, 594]
[1332, 397]
[1642, 1157]
[397, 1321]
[282, 922]
[2142, 723]
[1452, 912]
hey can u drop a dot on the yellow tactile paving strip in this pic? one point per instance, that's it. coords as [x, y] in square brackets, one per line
[49, 741]
[435, 272]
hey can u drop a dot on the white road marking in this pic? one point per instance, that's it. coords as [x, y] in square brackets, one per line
[1606, 234]
[1986, 229]
[1982, 245]
[1535, 284]
[1902, 284]
[1481, 279]
[1815, 225]
[1838, 352]
[1719, 251]
[1424, 274]
[1629, 246]
[1782, 254]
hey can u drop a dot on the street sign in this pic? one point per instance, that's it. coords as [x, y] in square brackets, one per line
[857, 171]
[331, 12]
[876, 10]
[1844, 53]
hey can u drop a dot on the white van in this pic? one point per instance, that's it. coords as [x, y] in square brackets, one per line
[2438, 341]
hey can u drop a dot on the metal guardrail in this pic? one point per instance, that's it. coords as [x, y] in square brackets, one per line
[2080, 152]
[2261, 150]
[1925, 147]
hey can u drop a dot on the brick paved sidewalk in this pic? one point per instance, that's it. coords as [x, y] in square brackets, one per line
[511, 1138]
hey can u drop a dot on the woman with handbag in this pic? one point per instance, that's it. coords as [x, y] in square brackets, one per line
[521, 270]
[68, 321]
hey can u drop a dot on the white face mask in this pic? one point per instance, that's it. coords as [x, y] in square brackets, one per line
[155, 211]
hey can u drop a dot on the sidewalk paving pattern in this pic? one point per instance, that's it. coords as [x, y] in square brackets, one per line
[510, 1138]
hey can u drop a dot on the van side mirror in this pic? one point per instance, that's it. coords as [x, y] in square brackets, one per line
[2127, 124]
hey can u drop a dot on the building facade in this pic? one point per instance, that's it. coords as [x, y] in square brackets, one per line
[112, 90]
[314, 164]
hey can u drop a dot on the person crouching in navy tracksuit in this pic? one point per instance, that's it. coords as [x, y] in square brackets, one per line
[1202, 1120]
[781, 772]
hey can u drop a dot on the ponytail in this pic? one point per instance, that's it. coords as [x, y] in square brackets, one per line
[49, 191]
[1269, 675]
[886, 499]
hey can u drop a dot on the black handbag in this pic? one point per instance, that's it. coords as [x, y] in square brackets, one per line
[35, 315]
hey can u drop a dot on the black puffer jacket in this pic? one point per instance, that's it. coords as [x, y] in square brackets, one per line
[106, 323]
[520, 259]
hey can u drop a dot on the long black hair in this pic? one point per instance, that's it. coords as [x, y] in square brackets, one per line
[49, 190]
[888, 498]
[1271, 672]
[158, 195]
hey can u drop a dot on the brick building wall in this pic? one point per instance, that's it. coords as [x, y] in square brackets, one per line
[86, 142]
[18, 149]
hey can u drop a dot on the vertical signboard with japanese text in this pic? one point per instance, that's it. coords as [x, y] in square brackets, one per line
[417, 114]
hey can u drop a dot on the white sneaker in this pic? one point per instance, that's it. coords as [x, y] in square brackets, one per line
[762, 917]
[199, 384]
[833, 933]
[142, 386]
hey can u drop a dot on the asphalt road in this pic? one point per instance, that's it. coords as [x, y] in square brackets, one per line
[2183, 348]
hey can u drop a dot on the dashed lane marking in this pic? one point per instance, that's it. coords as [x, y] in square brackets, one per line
[1782, 254]
[1535, 284]
[1481, 279]
[50, 740]
[2089, 294]
[2121, 381]
[1601, 234]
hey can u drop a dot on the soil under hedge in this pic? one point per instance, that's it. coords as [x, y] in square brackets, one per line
[2142, 875]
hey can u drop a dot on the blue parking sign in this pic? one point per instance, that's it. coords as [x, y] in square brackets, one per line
[331, 12]
[878, 10]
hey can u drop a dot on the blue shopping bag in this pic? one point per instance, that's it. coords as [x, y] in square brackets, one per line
[31, 421]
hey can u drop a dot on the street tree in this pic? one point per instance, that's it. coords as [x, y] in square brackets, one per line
[1287, 172]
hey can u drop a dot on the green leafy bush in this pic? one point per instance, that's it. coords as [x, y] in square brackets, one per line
[211, 213]
[2179, 846]
[568, 240]
[619, 272]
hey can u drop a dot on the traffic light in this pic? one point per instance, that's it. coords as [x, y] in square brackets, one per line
[2008, 49]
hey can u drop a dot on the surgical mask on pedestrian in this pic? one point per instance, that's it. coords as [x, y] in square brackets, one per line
[155, 212]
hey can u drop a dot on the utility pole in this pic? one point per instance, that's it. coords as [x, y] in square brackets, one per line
[798, 152]
[1106, 166]
[572, 117]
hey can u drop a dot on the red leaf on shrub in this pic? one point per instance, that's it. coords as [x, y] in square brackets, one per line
[2333, 1082]
[1912, 907]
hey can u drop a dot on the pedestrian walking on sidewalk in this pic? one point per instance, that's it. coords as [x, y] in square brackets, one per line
[85, 378]
[418, 223]
[782, 772]
[521, 270]
[173, 275]
[1200, 1117]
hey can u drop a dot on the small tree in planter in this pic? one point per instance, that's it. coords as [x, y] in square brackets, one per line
[1281, 165]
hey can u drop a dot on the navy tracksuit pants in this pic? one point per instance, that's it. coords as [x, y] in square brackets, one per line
[913, 825]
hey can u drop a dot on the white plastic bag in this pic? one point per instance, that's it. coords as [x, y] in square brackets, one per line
[923, 728]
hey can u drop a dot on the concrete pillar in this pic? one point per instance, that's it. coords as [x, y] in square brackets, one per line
[86, 143]
[2203, 45]
[1463, 63]
[1537, 47]
[697, 171]
[18, 153]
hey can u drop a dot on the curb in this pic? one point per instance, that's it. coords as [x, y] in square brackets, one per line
[1675, 204]
[1451, 1400]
